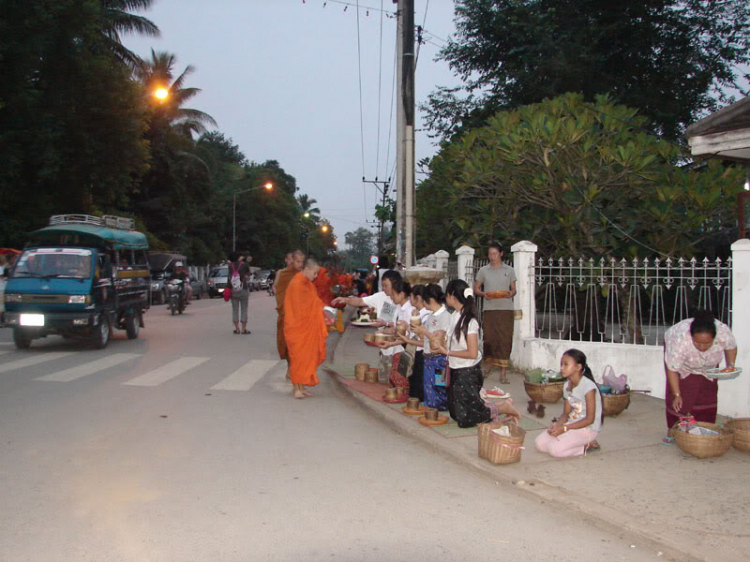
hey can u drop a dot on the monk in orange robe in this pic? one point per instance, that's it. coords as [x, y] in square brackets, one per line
[305, 329]
[323, 286]
[294, 263]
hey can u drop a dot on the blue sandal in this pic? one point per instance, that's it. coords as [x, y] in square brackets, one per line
[667, 441]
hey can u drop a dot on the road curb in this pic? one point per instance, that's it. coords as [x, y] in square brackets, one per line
[512, 477]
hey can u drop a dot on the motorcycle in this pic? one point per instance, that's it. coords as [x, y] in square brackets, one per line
[177, 296]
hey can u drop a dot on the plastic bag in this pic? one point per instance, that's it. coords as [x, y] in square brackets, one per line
[534, 376]
[618, 384]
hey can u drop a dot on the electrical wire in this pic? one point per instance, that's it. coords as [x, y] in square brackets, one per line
[421, 29]
[390, 126]
[380, 89]
[388, 13]
[361, 111]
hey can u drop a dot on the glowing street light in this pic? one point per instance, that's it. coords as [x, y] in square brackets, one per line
[324, 228]
[268, 186]
[307, 214]
[161, 93]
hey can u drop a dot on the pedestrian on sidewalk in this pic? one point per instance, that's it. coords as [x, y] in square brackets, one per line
[465, 383]
[434, 329]
[238, 272]
[691, 347]
[496, 282]
[400, 293]
[581, 420]
[305, 329]
[386, 311]
[294, 263]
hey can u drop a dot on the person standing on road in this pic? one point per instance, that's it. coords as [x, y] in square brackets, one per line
[691, 347]
[305, 329]
[238, 272]
[295, 262]
[386, 310]
[496, 282]
[434, 329]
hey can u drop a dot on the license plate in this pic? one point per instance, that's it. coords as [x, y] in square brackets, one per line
[32, 320]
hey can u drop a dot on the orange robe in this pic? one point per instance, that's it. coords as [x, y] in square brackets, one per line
[283, 278]
[305, 330]
[323, 286]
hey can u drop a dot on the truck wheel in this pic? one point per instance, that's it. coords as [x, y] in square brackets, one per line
[21, 338]
[132, 325]
[101, 333]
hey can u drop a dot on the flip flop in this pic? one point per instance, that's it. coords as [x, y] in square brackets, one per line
[237, 332]
[246, 332]
[667, 441]
[505, 381]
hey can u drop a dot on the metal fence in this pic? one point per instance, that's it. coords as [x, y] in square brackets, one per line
[627, 301]
[452, 272]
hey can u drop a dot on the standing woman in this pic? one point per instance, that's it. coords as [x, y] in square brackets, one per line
[465, 403]
[241, 294]
[496, 282]
[435, 328]
[691, 347]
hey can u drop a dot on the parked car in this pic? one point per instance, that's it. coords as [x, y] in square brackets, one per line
[199, 287]
[217, 280]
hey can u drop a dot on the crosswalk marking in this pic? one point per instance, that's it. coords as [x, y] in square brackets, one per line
[33, 360]
[86, 369]
[167, 372]
[246, 376]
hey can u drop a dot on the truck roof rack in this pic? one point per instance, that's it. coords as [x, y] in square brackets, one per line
[112, 221]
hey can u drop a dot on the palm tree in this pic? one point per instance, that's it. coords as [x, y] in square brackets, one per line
[169, 113]
[306, 206]
[117, 19]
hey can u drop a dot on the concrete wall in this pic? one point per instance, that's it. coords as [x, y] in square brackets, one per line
[644, 364]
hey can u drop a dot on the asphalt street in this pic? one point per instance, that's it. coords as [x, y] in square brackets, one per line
[186, 445]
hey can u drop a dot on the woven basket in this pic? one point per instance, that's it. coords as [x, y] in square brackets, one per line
[704, 446]
[741, 428]
[371, 375]
[498, 449]
[548, 393]
[615, 404]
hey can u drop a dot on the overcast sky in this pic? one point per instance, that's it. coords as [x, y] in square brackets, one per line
[281, 79]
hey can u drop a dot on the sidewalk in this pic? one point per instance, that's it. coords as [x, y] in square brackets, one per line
[688, 508]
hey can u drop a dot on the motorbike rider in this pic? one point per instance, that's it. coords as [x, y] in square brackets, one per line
[180, 272]
[270, 281]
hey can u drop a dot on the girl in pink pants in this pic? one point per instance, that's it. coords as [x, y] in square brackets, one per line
[579, 425]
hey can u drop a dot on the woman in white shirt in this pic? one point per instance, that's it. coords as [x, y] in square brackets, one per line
[434, 329]
[465, 403]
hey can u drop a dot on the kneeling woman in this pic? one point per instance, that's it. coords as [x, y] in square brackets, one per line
[579, 425]
[465, 404]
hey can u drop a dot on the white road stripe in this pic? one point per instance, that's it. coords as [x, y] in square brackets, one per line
[246, 376]
[89, 368]
[33, 360]
[167, 372]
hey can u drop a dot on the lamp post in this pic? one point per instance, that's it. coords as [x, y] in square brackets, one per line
[268, 186]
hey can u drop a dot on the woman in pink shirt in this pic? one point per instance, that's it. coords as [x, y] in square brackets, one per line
[691, 347]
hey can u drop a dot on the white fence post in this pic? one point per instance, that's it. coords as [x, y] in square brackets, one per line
[524, 256]
[441, 264]
[734, 395]
[431, 261]
[465, 259]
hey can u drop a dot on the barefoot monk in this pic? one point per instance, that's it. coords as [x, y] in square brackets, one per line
[294, 263]
[305, 329]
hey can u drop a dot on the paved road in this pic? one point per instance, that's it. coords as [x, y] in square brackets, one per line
[185, 445]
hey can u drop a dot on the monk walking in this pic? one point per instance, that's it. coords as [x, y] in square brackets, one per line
[294, 262]
[305, 329]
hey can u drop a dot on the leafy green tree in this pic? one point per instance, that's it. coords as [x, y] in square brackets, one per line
[360, 245]
[72, 121]
[307, 205]
[580, 178]
[670, 59]
[116, 18]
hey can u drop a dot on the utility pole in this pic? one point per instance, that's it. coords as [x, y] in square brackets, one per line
[405, 209]
[382, 187]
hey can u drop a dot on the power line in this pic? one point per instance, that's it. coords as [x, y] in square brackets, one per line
[380, 84]
[420, 30]
[388, 13]
[361, 111]
[390, 117]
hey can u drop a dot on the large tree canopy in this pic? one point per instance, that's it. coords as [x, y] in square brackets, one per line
[576, 178]
[670, 59]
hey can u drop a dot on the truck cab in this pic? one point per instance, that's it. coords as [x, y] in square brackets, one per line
[79, 277]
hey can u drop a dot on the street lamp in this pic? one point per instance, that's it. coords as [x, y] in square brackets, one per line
[268, 186]
[161, 93]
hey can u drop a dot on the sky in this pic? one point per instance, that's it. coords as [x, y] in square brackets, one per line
[282, 79]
